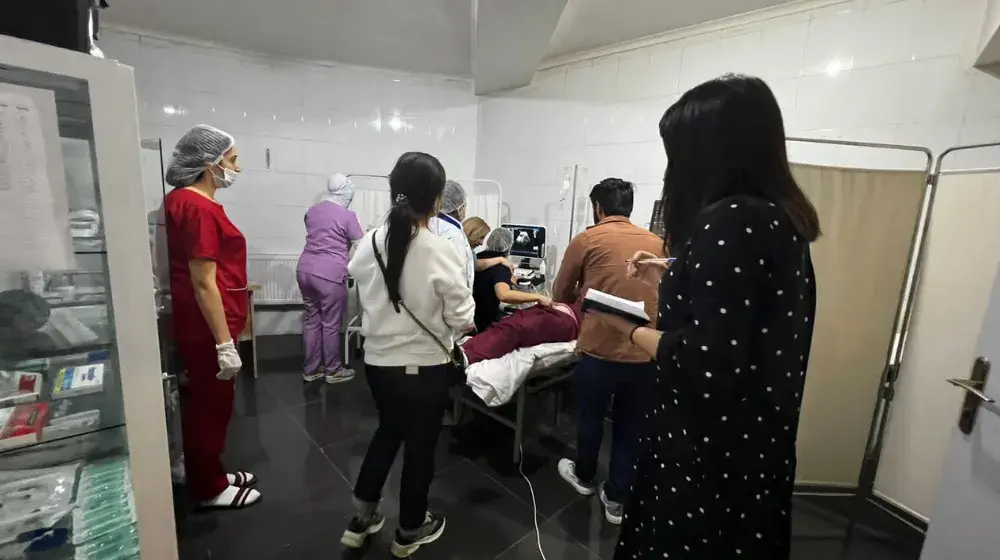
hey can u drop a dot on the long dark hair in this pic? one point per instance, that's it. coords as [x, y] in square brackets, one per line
[415, 185]
[726, 138]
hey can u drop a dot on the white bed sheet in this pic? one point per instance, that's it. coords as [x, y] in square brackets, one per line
[496, 381]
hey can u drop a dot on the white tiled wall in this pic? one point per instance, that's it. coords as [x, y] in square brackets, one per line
[866, 70]
[314, 119]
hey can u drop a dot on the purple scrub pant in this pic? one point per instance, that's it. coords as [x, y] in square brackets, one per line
[325, 304]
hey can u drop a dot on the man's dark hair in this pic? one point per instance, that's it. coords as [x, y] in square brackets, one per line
[614, 196]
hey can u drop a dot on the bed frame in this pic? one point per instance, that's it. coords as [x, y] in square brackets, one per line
[536, 383]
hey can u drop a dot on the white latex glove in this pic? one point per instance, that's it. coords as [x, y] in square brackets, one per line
[229, 360]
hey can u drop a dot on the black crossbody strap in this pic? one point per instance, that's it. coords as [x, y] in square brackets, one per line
[397, 305]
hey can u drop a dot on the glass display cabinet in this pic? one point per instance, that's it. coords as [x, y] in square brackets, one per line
[84, 468]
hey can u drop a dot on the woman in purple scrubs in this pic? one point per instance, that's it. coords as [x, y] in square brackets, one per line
[331, 229]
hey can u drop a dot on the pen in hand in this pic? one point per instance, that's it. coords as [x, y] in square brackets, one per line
[667, 260]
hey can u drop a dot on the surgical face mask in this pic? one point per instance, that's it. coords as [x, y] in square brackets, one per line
[228, 177]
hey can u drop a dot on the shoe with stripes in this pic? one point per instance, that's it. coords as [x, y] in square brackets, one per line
[242, 478]
[233, 497]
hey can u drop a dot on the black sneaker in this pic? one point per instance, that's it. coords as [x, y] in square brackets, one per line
[407, 543]
[360, 528]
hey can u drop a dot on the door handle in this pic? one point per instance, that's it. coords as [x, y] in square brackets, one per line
[972, 388]
[974, 395]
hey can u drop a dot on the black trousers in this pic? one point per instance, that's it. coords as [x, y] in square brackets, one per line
[410, 410]
[630, 384]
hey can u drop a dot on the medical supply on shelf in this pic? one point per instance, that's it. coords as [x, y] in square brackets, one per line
[104, 502]
[19, 387]
[34, 500]
[78, 380]
[22, 424]
[95, 475]
[73, 424]
[120, 544]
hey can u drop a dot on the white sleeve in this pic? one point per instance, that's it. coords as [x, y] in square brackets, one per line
[461, 245]
[449, 281]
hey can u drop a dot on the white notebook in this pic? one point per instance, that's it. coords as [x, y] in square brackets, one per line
[634, 311]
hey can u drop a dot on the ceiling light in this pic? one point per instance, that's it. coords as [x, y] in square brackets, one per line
[834, 67]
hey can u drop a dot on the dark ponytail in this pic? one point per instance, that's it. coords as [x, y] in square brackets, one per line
[415, 185]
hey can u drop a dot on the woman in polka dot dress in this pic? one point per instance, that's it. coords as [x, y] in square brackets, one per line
[732, 340]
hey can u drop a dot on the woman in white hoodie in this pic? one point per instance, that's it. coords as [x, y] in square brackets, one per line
[415, 297]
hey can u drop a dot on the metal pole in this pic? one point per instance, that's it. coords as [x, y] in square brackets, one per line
[903, 147]
[572, 206]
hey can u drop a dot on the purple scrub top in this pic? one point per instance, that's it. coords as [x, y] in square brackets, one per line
[330, 229]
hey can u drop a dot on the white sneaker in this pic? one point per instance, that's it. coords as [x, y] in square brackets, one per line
[360, 528]
[567, 470]
[340, 376]
[307, 377]
[612, 510]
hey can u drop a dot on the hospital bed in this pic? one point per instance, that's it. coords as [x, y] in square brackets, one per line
[515, 377]
[491, 384]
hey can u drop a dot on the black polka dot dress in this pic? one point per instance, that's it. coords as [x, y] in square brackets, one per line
[737, 306]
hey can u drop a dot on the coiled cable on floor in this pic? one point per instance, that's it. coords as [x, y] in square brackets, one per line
[534, 504]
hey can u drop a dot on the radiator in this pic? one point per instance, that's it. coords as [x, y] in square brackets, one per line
[276, 276]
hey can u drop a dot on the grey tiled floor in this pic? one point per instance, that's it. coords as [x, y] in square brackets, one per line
[306, 443]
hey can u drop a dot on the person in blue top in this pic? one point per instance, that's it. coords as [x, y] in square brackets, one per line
[492, 285]
[448, 224]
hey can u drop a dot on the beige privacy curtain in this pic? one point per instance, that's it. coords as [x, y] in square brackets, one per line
[868, 218]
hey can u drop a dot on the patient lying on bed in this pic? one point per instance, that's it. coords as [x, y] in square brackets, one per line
[538, 324]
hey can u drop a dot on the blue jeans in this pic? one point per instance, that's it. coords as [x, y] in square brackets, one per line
[597, 381]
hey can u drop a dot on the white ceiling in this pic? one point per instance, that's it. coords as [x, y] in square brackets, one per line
[512, 36]
[413, 35]
[588, 24]
[498, 63]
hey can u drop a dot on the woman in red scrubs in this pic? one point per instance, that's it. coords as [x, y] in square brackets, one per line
[208, 282]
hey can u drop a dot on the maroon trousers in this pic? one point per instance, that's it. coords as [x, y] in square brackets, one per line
[527, 327]
[206, 410]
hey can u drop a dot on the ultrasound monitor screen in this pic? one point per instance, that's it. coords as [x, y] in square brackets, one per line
[529, 241]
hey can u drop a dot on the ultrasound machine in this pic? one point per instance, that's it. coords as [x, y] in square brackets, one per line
[529, 246]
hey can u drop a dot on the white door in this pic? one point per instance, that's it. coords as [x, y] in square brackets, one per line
[965, 521]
